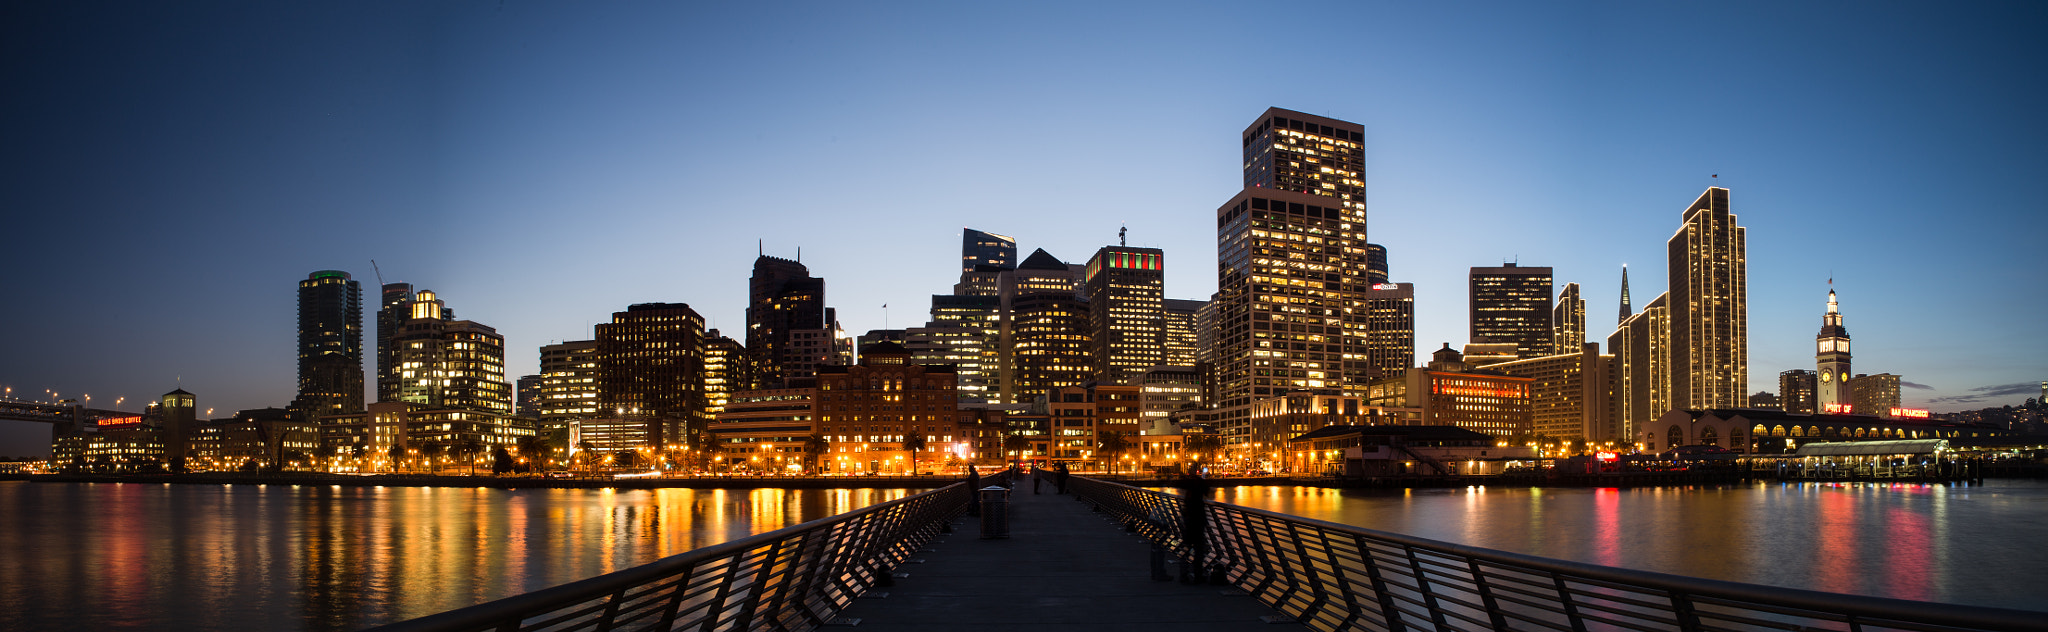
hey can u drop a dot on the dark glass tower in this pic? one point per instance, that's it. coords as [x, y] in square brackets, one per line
[1375, 264]
[394, 309]
[783, 298]
[978, 248]
[330, 344]
[1511, 303]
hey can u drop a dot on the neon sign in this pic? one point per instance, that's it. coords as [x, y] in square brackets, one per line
[1911, 413]
[1605, 456]
[116, 422]
[1386, 286]
[1840, 409]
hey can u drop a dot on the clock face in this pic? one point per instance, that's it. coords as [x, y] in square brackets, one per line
[1826, 376]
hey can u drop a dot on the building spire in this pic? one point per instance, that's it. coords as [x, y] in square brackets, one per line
[1626, 309]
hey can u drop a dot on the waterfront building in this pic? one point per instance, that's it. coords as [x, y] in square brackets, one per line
[1166, 390]
[1572, 395]
[650, 362]
[1568, 320]
[393, 310]
[1874, 394]
[568, 383]
[783, 299]
[264, 437]
[178, 412]
[765, 430]
[983, 431]
[1390, 343]
[1511, 304]
[1276, 420]
[330, 344]
[1182, 340]
[1081, 418]
[629, 441]
[1357, 451]
[369, 437]
[1375, 264]
[985, 249]
[1126, 311]
[865, 411]
[1797, 391]
[1642, 366]
[1045, 329]
[1292, 268]
[1751, 430]
[1447, 391]
[1831, 361]
[970, 326]
[447, 363]
[1709, 271]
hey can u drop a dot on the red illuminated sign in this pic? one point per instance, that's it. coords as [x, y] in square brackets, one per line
[1606, 456]
[116, 422]
[1839, 408]
[1386, 286]
[1911, 413]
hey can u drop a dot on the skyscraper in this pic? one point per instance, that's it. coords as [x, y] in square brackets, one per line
[1709, 307]
[1045, 329]
[448, 363]
[330, 345]
[1511, 303]
[1292, 267]
[1390, 348]
[393, 310]
[1126, 311]
[1796, 391]
[1874, 394]
[1376, 264]
[1626, 309]
[725, 370]
[1568, 320]
[1831, 361]
[1182, 333]
[568, 382]
[978, 248]
[783, 298]
[1642, 365]
[651, 364]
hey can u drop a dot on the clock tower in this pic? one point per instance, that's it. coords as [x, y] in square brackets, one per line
[1831, 359]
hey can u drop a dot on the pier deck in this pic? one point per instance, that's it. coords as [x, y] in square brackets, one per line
[1062, 568]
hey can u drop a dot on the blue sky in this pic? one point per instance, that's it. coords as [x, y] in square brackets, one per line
[172, 170]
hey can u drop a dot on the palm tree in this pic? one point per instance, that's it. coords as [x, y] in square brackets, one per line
[1200, 445]
[1016, 443]
[432, 450]
[538, 449]
[589, 451]
[467, 449]
[1113, 444]
[816, 448]
[397, 454]
[914, 442]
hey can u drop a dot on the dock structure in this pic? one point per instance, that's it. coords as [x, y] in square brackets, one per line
[1063, 567]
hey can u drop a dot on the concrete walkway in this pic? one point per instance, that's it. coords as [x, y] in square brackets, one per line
[1063, 568]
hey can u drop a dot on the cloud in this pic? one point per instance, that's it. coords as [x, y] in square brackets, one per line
[1982, 393]
[1917, 385]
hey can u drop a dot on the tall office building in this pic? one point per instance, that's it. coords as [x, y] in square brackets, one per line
[651, 365]
[1831, 360]
[1045, 330]
[393, 310]
[1796, 391]
[530, 390]
[1626, 309]
[783, 298]
[1390, 347]
[1571, 396]
[568, 383]
[1642, 366]
[978, 248]
[1182, 337]
[1511, 303]
[330, 345]
[1709, 307]
[1874, 394]
[453, 364]
[1568, 320]
[1375, 264]
[971, 325]
[725, 370]
[1126, 311]
[1292, 267]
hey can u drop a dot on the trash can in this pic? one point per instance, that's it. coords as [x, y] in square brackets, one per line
[995, 513]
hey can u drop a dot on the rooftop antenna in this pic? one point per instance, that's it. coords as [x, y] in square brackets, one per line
[759, 248]
[380, 273]
[1120, 241]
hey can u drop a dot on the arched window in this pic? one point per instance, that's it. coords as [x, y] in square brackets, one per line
[1860, 432]
[1777, 431]
[1761, 431]
[1735, 439]
[1797, 432]
[1709, 437]
[1675, 435]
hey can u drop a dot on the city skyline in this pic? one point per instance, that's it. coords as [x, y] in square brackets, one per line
[457, 157]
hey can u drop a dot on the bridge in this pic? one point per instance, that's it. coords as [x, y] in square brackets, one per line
[1130, 558]
[67, 417]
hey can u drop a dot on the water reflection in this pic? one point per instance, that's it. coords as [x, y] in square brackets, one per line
[189, 557]
[1975, 545]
